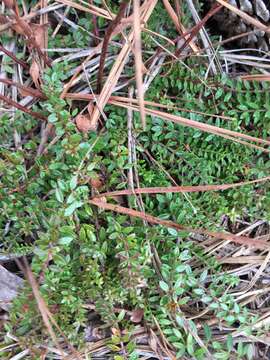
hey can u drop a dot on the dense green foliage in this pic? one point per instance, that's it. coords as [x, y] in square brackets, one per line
[81, 254]
[98, 257]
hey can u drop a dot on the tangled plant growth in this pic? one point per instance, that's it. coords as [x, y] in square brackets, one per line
[114, 284]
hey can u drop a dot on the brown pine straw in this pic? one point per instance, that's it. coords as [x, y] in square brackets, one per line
[138, 58]
[225, 133]
[255, 77]
[181, 189]
[118, 66]
[259, 244]
[14, 57]
[47, 317]
[180, 28]
[22, 108]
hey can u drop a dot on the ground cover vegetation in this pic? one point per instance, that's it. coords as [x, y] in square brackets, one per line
[117, 263]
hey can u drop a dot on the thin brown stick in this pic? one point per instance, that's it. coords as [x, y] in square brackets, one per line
[256, 77]
[194, 31]
[138, 58]
[28, 90]
[180, 28]
[170, 224]
[182, 189]
[43, 309]
[90, 9]
[95, 26]
[108, 33]
[118, 66]
[28, 33]
[226, 133]
[14, 58]
[23, 108]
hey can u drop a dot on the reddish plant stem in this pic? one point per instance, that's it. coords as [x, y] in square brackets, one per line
[13, 57]
[28, 33]
[95, 25]
[106, 40]
[32, 92]
[194, 31]
[23, 108]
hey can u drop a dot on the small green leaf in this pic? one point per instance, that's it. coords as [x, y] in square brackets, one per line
[230, 318]
[70, 210]
[190, 344]
[207, 332]
[179, 320]
[177, 333]
[227, 97]
[73, 182]
[206, 299]
[229, 342]
[164, 286]
[52, 118]
[181, 268]
[198, 291]
[59, 195]
[219, 93]
[66, 240]
[172, 232]
[203, 275]
[121, 315]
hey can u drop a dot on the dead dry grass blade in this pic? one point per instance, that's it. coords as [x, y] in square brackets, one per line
[47, 317]
[119, 64]
[208, 46]
[181, 189]
[138, 58]
[14, 57]
[120, 28]
[169, 107]
[259, 244]
[196, 29]
[247, 18]
[225, 133]
[180, 28]
[22, 108]
[95, 10]
[8, 23]
[115, 22]
[43, 309]
[25, 90]
[172, 15]
[232, 135]
[86, 97]
[256, 77]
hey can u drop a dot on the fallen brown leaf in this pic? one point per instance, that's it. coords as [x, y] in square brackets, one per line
[18, 28]
[137, 316]
[39, 34]
[90, 108]
[35, 73]
[84, 123]
[96, 183]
